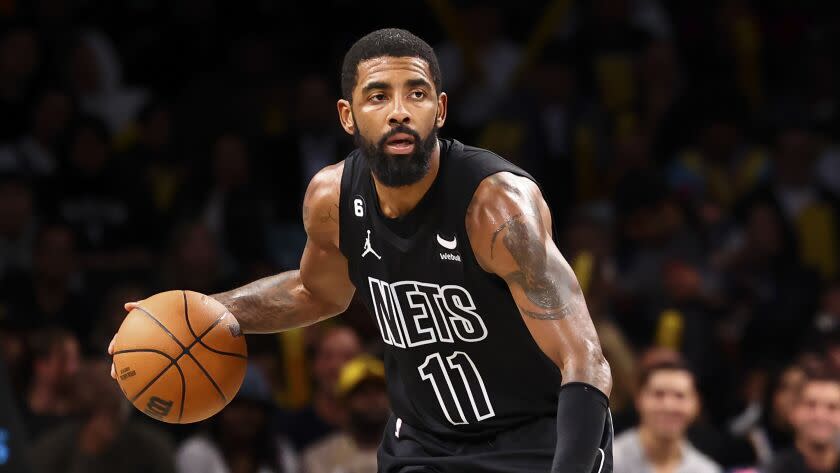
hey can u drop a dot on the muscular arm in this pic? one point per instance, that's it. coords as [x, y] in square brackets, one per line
[320, 289]
[509, 226]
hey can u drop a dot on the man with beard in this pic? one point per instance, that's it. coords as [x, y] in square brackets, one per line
[361, 389]
[451, 249]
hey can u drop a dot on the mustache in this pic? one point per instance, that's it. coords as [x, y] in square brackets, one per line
[396, 130]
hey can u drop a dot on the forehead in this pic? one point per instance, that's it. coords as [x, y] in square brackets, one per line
[672, 380]
[821, 390]
[389, 69]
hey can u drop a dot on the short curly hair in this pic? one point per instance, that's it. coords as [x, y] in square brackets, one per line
[387, 42]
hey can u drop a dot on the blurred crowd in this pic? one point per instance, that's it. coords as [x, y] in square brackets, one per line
[689, 152]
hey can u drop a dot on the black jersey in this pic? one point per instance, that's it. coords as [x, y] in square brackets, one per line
[460, 361]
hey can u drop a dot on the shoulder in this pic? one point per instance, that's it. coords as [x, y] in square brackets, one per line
[784, 461]
[197, 446]
[501, 202]
[324, 450]
[700, 462]
[626, 442]
[321, 203]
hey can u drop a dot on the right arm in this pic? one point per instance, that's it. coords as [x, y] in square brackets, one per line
[320, 289]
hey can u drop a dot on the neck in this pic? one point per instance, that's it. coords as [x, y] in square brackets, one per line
[820, 457]
[660, 451]
[398, 201]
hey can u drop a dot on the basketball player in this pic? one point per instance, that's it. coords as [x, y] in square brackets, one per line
[451, 249]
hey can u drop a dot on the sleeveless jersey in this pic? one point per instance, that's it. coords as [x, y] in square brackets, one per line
[459, 360]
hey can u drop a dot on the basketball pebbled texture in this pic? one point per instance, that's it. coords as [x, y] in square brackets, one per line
[180, 356]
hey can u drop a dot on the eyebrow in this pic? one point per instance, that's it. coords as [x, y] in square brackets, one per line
[375, 85]
[386, 86]
[418, 83]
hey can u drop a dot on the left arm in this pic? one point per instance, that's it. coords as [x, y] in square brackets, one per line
[509, 226]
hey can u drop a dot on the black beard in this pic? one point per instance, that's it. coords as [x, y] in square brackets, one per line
[398, 171]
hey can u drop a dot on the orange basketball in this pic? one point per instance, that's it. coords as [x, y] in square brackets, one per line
[180, 356]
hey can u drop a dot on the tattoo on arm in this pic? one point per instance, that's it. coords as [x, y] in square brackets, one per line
[541, 279]
[268, 305]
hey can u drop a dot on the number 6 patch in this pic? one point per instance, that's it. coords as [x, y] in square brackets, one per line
[358, 206]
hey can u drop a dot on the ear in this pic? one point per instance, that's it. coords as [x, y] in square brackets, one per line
[443, 101]
[345, 116]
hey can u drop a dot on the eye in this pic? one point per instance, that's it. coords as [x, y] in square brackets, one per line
[378, 97]
[418, 94]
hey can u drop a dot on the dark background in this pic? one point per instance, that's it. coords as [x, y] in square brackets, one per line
[688, 151]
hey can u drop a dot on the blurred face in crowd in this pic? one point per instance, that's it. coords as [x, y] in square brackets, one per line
[394, 116]
[230, 163]
[668, 403]
[816, 416]
[19, 54]
[795, 153]
[313, 103]
[59, 368]
[84, 69]
[52, 114]
[243, 420]
[156, 130]
[55, 256]
[89, 150]
[15, 207]
[368, 407]
[764, 231]
[336, 348]
[784, 397]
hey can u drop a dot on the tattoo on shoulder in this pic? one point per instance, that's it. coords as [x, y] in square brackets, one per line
[541, 279]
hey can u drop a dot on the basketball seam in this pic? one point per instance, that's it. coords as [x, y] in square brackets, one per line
[149, 314]
[150, 383]
[199, 338]
[145, 350]
[172, 362]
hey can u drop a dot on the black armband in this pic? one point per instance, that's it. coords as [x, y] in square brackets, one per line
[581, 420]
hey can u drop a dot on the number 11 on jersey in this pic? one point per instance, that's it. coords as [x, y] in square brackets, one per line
[449, 390]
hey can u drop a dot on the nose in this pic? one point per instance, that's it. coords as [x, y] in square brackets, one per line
[399, 114]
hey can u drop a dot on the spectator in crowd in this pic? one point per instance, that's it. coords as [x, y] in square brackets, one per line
[331, 352]
[105, 438]
[361, 388]
[17, 223]
[193, 260]
[95, 74]
[764, 428]
[230, 206]
[240, 438]
[37, 153]
[51, 294]
[816, 421]
[152, 158]
[98, 201]
[668, 403]
[50, 397]
[13, 437]
[20, 59]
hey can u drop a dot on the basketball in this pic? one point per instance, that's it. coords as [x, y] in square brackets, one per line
[180, 356]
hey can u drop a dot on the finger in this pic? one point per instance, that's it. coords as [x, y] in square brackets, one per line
[129, 306]
[113, 371]
[111, 345]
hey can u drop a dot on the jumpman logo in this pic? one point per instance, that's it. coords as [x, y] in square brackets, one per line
[368, 248]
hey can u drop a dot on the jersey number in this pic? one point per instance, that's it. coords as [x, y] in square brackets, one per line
[451, 389]
[358, 207]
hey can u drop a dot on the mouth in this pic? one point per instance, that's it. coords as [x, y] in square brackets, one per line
[400, 143]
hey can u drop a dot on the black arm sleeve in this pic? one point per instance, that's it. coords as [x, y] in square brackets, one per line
[581, 422]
